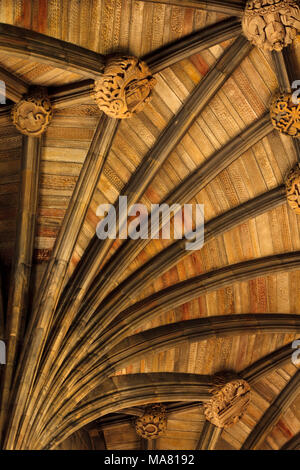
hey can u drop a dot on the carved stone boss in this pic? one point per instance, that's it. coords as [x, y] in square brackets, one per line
[230, 399]
[153, 423]
[285, 115]
[271, 24]
[33, 113]
[125, 87]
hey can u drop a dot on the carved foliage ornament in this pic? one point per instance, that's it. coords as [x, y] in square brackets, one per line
[292, 185]
[33, 113]
[271, 24]
[285, 114]
[125, 87]
[230, 399]
[153, 423]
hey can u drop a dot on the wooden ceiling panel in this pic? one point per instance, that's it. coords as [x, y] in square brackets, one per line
[84, 439]
[36, 73]
[267, 234]
[285, 429]
[211, 356]
[119, 25]
[270, 294]
[121, 437]
[178, 435]
[61, 162]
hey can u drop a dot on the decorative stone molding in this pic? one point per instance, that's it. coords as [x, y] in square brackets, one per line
[285, 115]
[292, 185]
[153, 423]
[125, 87]
[230, 399]
[33, 113]
[271, 24]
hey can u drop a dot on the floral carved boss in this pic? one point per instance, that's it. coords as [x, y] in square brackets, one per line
[33, 113]
[271, 24]
[125, 87]
[285, 114]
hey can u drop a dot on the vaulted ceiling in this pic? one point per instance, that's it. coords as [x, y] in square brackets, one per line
[95, 330]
